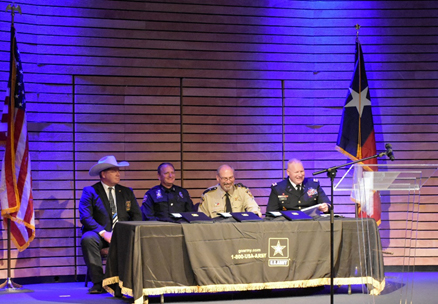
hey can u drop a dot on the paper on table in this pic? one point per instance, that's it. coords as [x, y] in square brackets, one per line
[312, 210]
[311, 207]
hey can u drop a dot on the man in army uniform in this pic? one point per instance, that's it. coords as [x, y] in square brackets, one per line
[227, 196]
[166, 198]
[297, 192]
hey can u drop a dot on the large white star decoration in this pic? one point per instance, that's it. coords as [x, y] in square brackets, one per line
[278, 248]
[355, 101]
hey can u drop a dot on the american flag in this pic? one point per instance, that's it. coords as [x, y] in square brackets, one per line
[356, 137]
[16, 181]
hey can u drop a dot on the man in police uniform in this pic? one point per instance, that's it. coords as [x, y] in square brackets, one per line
[227, 196]
[166, 198]
[297, 192]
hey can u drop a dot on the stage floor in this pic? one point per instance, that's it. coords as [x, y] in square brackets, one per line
[420, 287]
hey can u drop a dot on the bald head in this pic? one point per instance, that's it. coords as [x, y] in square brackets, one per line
[294, 161]
[224, 167]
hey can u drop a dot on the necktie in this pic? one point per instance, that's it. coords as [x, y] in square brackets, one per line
[299, 188]
[113, 207]
[227, 202]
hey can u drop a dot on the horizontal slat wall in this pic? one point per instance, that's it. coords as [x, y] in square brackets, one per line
[206, 82]
[238, 122]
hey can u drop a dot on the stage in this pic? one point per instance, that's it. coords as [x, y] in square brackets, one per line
[398, 286]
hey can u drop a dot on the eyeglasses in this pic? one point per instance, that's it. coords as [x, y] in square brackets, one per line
[225, 179]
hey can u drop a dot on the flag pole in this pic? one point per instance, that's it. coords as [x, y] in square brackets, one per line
[9, 286]
[357, 26]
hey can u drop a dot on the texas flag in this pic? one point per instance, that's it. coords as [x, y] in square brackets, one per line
[356, 138]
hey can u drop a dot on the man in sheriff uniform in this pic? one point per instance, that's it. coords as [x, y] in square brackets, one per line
[227, 196]
[166, 198]
[297, 192]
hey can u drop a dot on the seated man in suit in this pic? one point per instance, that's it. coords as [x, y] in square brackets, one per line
[101, 206]
[297, 192]
[227, 196]
[166, 198]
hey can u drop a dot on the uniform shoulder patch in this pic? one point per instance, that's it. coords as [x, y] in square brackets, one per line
[274, 184]
[249, 193]
[209, 189]
[241, 185]
[315, 180]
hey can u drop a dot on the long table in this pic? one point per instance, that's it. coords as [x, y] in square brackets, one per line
[156, 258]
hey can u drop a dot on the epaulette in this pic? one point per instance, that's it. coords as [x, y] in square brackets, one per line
[241, 185]
[210, 189]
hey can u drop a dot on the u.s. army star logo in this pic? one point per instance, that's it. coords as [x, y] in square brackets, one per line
[278, 247]
[278, 252]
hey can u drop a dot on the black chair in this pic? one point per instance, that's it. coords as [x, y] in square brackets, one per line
[196, 206]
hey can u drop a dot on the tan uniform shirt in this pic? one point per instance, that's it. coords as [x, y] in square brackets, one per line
[213, 200]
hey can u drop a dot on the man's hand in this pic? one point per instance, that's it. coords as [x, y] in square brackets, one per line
[258, 213]
[324, 207]
[107, 236]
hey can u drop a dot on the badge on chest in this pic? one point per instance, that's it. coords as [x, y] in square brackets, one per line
[158, 194]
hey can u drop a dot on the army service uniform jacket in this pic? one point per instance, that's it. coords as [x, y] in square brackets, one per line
[213, 200]
[159, 202]
[284, 196]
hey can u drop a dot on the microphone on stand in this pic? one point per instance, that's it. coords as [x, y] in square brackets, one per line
[389, 152]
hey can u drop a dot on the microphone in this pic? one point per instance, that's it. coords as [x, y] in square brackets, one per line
[389, 152]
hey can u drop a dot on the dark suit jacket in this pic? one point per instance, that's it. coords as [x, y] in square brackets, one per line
[285, 197]
[95, 210]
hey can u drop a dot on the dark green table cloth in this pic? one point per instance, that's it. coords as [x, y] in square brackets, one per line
[154, 258]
